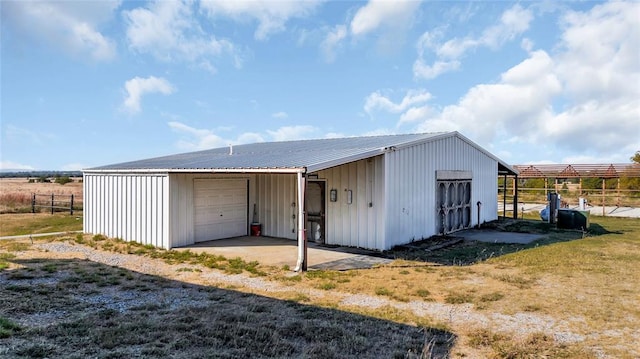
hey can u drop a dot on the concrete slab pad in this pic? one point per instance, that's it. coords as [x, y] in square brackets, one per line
[357, 261]
[280, 252]
[490, 236]
[613, 211]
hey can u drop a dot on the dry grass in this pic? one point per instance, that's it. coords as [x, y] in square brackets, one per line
[588, 285]
[12, 224]
[581, 289]
[537, 345]
[76, 308]
[15, 193]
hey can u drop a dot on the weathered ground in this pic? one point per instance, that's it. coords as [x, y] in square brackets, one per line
[72, 301]
[68, 299]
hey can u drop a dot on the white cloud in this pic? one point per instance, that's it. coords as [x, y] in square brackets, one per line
[137, 87]
[513, 22]
[9, 165]
[280, 115]
[71, 26]
[272, 16]
[415, 114]
[593, 74]
[526, 44]
[332, 41]
[601, 52]
[194, 139]
[518, 103]
[390, 21]
[169, 31]
[249, 137]
[287, 133]
[598, 65]
[334, 135]
[383, 13]
[411, 106]
[427, 72]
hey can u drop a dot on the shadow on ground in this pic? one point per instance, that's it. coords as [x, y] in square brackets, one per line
[78, 309]
[456, 250]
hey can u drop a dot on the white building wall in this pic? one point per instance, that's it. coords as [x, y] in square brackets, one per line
[393, 199]
[361, 223]
[133, 207]
[410, 186]
[276, 204]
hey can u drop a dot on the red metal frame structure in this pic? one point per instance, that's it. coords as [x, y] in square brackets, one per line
[613, 170]
[580, 171]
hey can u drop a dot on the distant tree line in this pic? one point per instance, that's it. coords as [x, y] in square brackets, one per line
[56, 179]
[40, 174]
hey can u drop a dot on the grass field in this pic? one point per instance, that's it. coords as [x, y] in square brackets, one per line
[34, 223]
[16, 193]
[570, 295]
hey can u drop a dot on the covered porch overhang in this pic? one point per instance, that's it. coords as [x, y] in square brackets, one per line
[301, 176]
[504, 171]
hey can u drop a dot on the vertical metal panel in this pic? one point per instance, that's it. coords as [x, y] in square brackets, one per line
[181, 209]
[411, 187]
[356, 224]
[275, 199]
[361, 223]
[118, 207]
[87, 203]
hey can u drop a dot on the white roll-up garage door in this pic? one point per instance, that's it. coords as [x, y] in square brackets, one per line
[220, 209]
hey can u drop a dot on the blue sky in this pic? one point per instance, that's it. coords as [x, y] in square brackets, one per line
[89, 83]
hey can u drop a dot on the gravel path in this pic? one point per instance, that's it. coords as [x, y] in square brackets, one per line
[456, 316]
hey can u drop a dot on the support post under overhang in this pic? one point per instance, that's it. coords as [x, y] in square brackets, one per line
[515, 197]
[301, 265]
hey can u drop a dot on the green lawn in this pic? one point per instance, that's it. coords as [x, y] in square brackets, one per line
[32, 223]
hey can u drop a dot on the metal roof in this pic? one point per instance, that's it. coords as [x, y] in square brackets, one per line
[286, 156]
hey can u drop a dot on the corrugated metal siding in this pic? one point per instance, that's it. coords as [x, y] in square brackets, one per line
[356, 224]
[275, 195]
[411, 211]
[181, 228]
[130, 207]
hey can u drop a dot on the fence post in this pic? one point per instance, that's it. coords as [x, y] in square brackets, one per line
[52, 203]
[71, 204]
[33, 203]
[603, 200]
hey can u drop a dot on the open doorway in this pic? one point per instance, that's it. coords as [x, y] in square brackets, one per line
[316, 214]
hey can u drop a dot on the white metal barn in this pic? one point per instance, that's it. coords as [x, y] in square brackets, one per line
[368, 192]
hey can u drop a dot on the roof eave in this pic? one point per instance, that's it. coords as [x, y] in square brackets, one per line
[198, 170]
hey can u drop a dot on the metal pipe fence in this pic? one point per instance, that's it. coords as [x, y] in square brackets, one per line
[54, 202]
[604, 198]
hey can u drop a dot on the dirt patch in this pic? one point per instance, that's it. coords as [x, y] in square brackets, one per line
[72, 301]
[59, 287]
